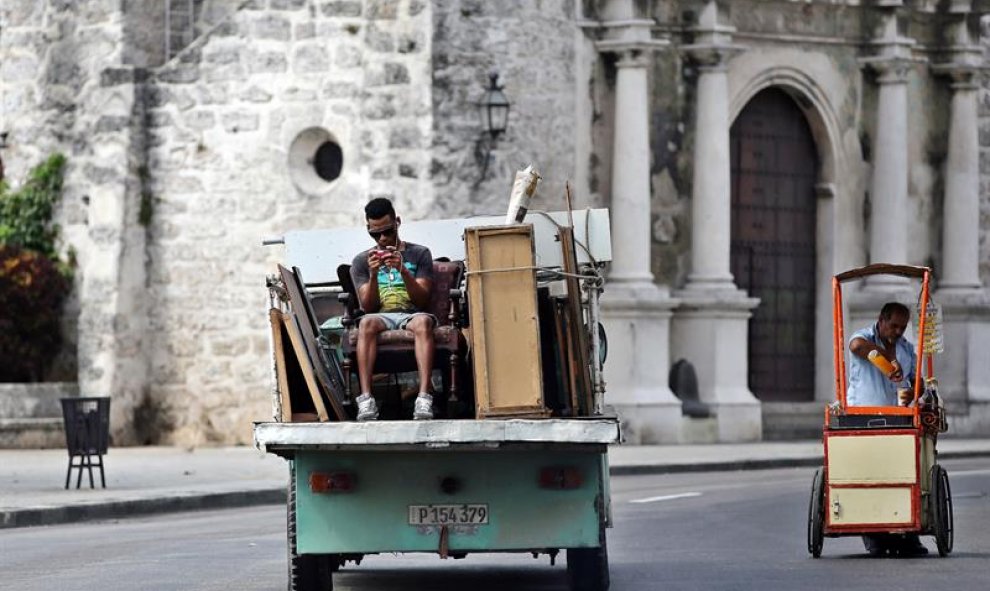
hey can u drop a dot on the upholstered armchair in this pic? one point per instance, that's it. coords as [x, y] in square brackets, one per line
[396, 351]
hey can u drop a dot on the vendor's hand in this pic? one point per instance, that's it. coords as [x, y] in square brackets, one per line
[898, 373]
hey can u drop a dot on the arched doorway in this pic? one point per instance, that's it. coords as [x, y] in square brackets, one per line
[774, 171]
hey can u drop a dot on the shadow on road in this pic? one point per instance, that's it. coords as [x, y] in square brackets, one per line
[483, 578]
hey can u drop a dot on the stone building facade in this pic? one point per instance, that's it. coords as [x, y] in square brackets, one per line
[269, 115]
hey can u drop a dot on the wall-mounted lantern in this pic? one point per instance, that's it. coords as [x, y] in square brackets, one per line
[494, 109]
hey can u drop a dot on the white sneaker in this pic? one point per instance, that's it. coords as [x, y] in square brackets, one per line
[367, 408]
[423, 409]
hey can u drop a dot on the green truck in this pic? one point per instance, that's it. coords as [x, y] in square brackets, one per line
[450, 486]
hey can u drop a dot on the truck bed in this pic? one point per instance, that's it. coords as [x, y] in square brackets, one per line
[485, 434]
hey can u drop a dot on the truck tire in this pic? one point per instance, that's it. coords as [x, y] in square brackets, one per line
[307, 572]
[587, 568]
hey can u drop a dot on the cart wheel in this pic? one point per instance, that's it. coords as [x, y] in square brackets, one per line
[587, 568]
[307, 572]
[941, 509]
[816, 514]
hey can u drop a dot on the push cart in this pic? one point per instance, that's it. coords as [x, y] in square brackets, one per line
[881, 473]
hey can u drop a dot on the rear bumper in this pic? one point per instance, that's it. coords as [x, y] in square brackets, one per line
[521, 516]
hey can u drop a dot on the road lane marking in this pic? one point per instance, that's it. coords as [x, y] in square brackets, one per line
[686, 495]
[976, 495]
[969, 472]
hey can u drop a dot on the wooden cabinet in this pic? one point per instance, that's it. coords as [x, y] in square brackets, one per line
[505, 336]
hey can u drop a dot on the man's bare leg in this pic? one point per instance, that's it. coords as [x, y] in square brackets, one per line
[422, 329]
[367, 352]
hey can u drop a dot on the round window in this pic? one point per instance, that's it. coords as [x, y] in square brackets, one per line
[315, 160]
[328, 161]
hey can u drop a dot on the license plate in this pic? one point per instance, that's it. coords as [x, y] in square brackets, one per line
[448, 514]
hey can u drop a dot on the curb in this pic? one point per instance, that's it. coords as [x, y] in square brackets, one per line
[275, 496]
[644, 469]
[137, 507]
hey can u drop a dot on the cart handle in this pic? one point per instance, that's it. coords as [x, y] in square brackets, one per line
[883, 269]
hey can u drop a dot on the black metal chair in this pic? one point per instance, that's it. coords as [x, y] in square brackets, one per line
[87, 434]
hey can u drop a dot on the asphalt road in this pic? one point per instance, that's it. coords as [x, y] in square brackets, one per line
[709, 531]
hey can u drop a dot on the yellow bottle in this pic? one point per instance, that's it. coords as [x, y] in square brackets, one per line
[881, 362]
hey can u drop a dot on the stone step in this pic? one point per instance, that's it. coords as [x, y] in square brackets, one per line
[32, 433]
[785, 421]
[35, 401]
[31, 414]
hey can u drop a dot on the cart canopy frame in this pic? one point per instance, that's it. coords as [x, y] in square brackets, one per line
[839, 344]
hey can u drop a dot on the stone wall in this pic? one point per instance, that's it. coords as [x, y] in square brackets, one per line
[226, 121]
[65, 91]
[177, 170]
[531, 44]
[394, 82]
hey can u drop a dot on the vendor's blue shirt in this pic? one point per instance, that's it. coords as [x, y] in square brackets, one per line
[867, 384]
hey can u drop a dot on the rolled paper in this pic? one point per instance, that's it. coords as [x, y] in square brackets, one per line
[523, 188]
[881, 362]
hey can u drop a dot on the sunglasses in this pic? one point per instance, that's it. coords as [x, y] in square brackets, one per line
[388, 232]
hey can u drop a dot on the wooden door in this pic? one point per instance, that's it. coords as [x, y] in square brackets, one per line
[774, 171]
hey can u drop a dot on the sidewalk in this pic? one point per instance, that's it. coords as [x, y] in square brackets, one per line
[147, 480]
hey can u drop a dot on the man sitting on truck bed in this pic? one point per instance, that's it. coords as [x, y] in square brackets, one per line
[393, 281]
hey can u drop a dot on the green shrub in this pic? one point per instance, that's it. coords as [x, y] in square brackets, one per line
[34, 281]
[26, 214]
[32, 290]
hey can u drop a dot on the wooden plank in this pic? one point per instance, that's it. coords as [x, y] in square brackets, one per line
[281, 371]
[563, 353]
[505, 327]
[299, 349]
[302, 311]
[578, 337]
[305, 417]
[476, 306]
[563, 327]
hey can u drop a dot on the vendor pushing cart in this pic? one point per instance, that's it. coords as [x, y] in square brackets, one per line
[881, 478]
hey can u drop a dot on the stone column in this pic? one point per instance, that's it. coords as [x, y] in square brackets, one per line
[710, 328]
[961, 211]
[113, 320]
[961, 216]
[888, 186]
[892, 63]
[636, 313]
[710, 200]
[889, 183]
[964, 375]
[630, 210]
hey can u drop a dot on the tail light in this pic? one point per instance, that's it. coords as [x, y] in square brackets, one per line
[331, 482]
[560, 477]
